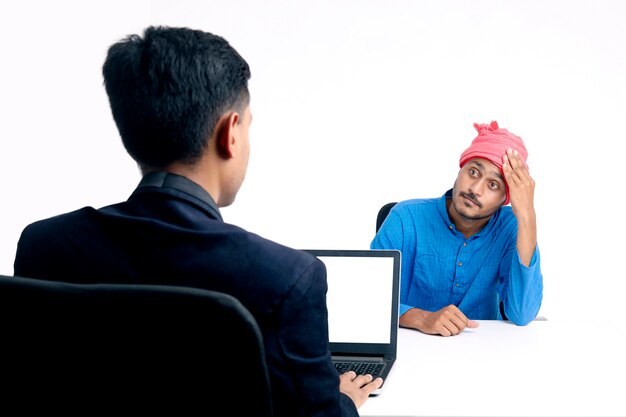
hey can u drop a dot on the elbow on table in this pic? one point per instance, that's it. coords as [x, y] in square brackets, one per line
[523, 321]
[521, 318]
[522, 311]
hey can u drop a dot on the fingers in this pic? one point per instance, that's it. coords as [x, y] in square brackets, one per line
[347, 376]
[472, 324]
[448, 329]
[362, 381]
[512, 165]
[373, 385]
[448, 321]
[452, 326]
[515, 170]
[358, 387]
[520, 183]
[452, 321]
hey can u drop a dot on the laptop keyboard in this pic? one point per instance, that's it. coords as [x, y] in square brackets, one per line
[360, 368]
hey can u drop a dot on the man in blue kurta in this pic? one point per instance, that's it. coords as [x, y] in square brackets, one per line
[467, 255]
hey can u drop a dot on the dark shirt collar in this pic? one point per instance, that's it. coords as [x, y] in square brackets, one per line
[181, 186]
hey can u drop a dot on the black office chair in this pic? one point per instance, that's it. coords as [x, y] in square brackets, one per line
[115, 348]
[382, 214]
[380, 218]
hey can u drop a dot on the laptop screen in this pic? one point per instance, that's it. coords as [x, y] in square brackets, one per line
[359, 281]
[362, 299]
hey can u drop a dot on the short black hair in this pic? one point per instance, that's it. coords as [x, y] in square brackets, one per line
[168, 89]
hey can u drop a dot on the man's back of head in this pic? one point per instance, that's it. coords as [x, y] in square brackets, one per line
[168, 89]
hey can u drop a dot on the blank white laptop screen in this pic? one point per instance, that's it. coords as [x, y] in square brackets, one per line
[370, 282]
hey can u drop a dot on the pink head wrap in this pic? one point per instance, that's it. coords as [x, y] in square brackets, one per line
[491, 144]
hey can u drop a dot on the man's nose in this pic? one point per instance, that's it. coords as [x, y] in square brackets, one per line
[478, 187]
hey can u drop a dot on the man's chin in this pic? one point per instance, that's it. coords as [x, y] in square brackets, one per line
[467, 210]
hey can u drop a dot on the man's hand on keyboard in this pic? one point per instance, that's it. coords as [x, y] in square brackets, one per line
[358, 387]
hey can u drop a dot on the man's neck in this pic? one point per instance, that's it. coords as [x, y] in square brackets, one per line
[468, 227]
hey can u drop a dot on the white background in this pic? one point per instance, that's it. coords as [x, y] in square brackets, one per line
[355, 103]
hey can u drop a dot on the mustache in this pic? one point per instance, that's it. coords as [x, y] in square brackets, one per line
[472, 197]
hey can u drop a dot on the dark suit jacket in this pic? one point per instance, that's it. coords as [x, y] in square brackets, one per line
[171, 232]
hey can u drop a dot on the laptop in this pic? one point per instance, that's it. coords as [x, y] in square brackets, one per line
[362, 339]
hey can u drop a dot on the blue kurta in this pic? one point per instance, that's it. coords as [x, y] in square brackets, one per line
[441, 267]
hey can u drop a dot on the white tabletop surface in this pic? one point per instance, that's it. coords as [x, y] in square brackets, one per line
[547, 368]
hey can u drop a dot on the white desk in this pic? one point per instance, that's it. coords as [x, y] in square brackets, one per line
[547, 368]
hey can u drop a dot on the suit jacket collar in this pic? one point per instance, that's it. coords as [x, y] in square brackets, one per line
[182, 187]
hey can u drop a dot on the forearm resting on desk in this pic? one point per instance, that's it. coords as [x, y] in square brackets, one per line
[448, 321]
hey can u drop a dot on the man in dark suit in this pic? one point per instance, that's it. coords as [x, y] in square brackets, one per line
[180, 100]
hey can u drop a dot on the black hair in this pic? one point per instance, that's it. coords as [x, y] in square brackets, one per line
[168, 89]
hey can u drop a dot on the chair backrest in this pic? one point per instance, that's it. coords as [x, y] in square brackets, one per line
[89, 348]
[382, 214]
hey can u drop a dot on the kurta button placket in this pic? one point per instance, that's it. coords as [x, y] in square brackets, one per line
[459, 276]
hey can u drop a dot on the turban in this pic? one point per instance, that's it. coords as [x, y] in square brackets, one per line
[491, 144]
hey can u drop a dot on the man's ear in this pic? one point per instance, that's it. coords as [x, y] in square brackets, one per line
[225, 134]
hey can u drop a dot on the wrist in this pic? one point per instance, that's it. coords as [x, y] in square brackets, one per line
[413, 318]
